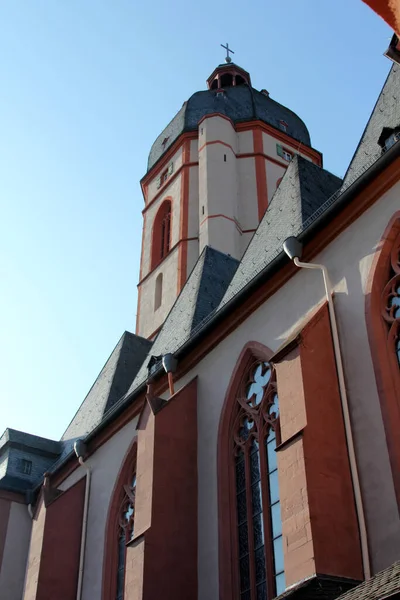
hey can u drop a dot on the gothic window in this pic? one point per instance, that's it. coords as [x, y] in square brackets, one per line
[119, 529]
[258, 518]
[161, 243]
[383, 323]
[165, 234]
[125, 533]
[391, 302]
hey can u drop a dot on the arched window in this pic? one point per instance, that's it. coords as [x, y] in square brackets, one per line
[383, 323]
[161, 233]
[256, 552]
[125, 534]
[158, 292]
[120, 527]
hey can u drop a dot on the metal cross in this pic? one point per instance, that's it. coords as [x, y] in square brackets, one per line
[227, 58]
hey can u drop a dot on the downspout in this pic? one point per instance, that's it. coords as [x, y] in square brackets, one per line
[293, 249]
[80, 451]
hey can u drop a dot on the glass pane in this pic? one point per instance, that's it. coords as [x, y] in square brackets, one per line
[396, 302]
[254, 466]
[256, 498]
[271, 434]
[245, 595]
[273, 487]
[262, 591]
[244, 574]
[120, 581]
[271, 455]
[121, 550]
[274, 408]
[248, 425]
[240, 475]
[280, 583]
[260, 564]
[278, 555]
[258, 528]
[243, 540]
[276, 520]
[241, 508]
[255, 390]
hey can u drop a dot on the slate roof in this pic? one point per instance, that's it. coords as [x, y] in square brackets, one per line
[200, 295]
[22, 440]
[16, 447]
[241, 103]
[318, 587]
[111, 384]
[303, 189]
[386, 114]
[382, 585]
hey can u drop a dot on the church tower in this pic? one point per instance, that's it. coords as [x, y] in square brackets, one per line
[211, 174]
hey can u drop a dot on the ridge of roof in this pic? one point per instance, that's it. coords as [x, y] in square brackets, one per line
[17, 438]
[386, 113]
[110, 385]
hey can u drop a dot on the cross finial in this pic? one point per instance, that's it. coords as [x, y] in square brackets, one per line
[227, 57]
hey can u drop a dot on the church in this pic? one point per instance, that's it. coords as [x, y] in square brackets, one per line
[244, 443]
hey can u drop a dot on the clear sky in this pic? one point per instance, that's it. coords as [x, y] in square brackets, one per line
[85, 88]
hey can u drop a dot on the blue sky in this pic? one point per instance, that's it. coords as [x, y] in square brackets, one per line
[86, 86]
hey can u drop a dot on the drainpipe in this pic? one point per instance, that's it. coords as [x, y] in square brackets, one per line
[294, 249]
[169, 362]
[80, 451]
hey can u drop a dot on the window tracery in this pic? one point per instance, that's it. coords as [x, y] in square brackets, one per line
[125, 532]
[259, 528]
[391, 301]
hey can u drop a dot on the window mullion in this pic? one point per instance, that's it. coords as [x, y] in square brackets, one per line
[250, 523]
[269, 554]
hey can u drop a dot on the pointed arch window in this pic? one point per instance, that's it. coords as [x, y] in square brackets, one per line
[391, 301]
[125, 533]
[250, 525]
[120, 529]
[161, 243]
[383, 323]
[259, 526]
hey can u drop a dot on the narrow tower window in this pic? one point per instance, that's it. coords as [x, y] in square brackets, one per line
[161, 243]
[165, 234]
[158, 292]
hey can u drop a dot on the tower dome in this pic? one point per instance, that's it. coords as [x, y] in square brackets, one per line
[229, 93]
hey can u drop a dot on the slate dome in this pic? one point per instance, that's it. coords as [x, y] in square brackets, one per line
[241, 103]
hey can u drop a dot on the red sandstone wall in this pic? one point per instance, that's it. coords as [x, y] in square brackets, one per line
[163, 555]
[318, 513]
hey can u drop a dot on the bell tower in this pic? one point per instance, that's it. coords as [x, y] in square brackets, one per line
[211, 175]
